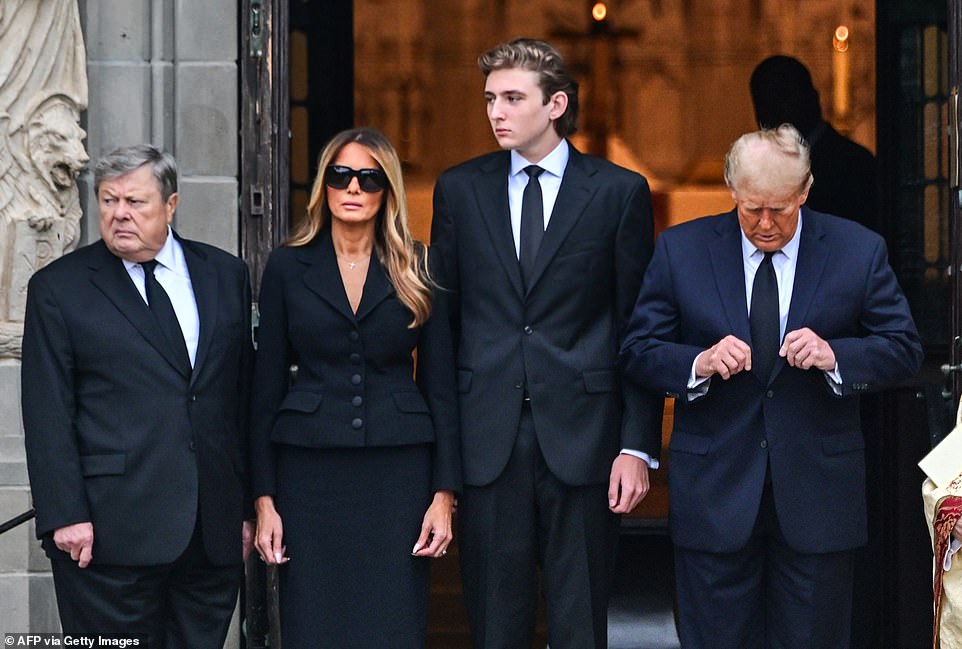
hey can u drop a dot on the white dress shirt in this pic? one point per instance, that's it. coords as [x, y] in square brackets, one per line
[554, 170]
[171, 272]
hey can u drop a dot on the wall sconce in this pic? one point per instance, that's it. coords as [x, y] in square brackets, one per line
[841, 101]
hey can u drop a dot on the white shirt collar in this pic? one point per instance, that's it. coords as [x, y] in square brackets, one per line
[790, 249]
[554, 163]
[171, 256]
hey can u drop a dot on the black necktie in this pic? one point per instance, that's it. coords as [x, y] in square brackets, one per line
[163, 310]
[763, 319]
[532, 221]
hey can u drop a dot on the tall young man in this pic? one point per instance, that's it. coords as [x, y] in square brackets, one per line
[543, 249]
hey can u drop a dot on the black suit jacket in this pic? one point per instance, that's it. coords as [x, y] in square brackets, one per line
[558, 340]
[115, 433]
[355, 383]
[793, 425]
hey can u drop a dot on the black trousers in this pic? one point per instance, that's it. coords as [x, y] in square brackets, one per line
[525, 520]
[764, 596]
[186, 604]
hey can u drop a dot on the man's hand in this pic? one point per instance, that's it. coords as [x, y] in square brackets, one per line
[78, 541]
[727, 357]
[628, 484]
[803, 349]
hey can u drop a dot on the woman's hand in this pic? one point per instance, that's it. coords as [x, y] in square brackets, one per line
[436, 532]
[270, 532]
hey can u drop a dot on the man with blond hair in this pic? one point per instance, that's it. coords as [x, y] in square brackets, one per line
[768, 322]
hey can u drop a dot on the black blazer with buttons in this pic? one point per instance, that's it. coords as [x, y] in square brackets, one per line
[116, 431]
[355, 382]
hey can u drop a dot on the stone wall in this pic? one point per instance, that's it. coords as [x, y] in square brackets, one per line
[163, 72]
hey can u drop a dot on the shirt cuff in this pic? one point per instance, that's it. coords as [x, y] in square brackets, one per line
[834, 379]
[697, 387]
[652, 464]
[954, 547]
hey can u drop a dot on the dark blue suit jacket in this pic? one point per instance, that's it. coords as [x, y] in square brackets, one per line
[693, 295]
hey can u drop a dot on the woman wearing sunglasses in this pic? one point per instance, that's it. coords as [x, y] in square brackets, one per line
[355, 457]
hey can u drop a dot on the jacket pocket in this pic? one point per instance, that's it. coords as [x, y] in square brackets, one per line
[410, 402]
[687, 443]
[464, 380]
[600, 381]
[114, 464]
[301, 401]
[843, 443]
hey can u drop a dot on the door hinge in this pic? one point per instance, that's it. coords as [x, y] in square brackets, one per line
[256, 36]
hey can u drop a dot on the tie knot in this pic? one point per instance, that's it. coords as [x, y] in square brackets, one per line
[533, 171]
[149, 266]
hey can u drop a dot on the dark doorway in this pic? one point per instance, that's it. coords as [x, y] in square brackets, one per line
[321, 87]
[913, 95]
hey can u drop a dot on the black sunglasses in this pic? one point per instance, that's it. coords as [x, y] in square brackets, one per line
[369, 180]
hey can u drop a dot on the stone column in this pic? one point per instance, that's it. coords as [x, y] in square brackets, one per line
[43, 90]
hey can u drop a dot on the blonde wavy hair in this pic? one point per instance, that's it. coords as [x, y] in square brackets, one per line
[404, 260]
[783, 164]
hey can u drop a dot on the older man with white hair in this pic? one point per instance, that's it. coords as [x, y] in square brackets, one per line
[767, 323]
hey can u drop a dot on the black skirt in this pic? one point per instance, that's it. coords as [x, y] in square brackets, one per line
[351, 518]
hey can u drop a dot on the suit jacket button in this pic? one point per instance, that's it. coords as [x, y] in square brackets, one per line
[356, 379]
[192, 445]
[354, 336]
[770, 394]
[355, 358]
[764, 443]
[357, 423]
[357, 401]
[528, 330]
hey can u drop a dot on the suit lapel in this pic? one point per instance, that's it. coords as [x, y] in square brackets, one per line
[322, 275]
[729, 272]
[203, 280]
[112, 279]
[491, 192]
[573, 197]
[377, 288]
[812, 257]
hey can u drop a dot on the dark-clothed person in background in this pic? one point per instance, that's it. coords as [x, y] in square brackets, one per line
[768, 322]
[356, 462]
[846, 174]
[543, 249]
[136, 367]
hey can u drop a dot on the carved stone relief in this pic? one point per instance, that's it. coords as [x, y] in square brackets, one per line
[43, 89]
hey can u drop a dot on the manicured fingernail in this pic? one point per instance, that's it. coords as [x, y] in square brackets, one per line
[277, 557]
[417, 546]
